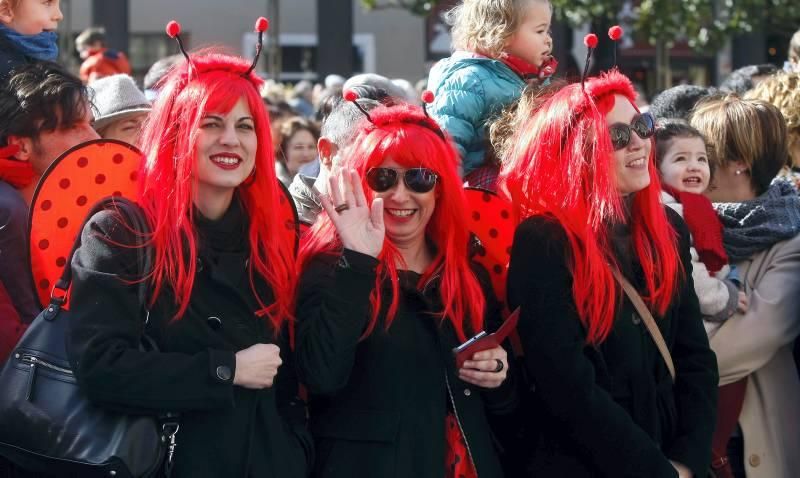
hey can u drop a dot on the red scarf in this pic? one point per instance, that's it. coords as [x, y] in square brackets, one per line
[528, 70]
[705, 227]
[13, 171]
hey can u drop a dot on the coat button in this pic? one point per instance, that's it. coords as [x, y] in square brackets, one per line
[755, 460]
[636, 319]
[467, 392]
[214, 322]
[224, 373]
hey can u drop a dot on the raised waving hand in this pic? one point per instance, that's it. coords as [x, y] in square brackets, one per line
[360, 225]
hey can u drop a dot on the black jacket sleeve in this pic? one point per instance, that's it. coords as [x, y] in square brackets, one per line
[15, 271]
[332, 313]
[697, 377]
[106, 327]
[553, 339]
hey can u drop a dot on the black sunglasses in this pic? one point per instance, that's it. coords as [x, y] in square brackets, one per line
[418, 180]
[644, 125]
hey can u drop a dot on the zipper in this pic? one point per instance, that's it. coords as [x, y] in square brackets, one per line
[458, 420]
[35, 361]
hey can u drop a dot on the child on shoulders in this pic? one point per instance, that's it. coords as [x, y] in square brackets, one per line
[27, 32]
[500, 46]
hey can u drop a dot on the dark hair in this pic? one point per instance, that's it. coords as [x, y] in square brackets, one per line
[750, 131]
[41, 96]
[291, 127]
[741, 81]
[677, 102]
[794, 47]
[669, 130]
[90, 36]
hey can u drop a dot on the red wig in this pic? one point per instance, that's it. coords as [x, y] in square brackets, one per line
[562, 164]
[215, 84]
[405, 134]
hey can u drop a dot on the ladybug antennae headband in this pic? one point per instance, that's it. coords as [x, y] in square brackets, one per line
[614, 33]
[174, 31]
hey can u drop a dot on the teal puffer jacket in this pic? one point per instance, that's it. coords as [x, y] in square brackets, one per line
[469, 89]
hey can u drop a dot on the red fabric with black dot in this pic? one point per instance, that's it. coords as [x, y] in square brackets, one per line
[458, 463]
[490, 219]
[70, 187]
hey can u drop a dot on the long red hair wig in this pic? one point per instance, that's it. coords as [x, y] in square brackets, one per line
[562, 163]
[405, 134]
[167, 185]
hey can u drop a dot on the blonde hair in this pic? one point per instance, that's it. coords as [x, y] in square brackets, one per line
[750, 131]
[12, 4]
[503, 128]
[783, 91]
[484, 26]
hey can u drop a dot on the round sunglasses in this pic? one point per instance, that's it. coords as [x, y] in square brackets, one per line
[418, 180]
[644, 125]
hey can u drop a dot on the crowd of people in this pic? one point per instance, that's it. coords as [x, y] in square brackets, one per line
[655, 262]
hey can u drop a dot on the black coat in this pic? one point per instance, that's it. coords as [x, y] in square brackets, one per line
[10, 57]
[378, 405]
[610, 410]
[225, 430]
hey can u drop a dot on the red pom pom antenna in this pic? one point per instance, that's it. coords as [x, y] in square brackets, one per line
[615, 32]
[173, 29]
[350, 95]
[427, 96]
[590, 40]
[262, 24]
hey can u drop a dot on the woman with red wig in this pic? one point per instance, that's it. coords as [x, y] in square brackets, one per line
[386, 292]
[581, 175]
[220, 289]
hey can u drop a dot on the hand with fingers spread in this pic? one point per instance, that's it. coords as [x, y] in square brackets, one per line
[487, 369]
[359, 225]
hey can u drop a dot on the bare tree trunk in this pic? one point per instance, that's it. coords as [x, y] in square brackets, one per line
[274, 61]
[663, 70]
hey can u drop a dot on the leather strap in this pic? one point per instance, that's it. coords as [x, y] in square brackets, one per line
[648, 319]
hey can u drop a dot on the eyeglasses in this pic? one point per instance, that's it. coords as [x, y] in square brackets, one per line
[644, 125]
[418, 180]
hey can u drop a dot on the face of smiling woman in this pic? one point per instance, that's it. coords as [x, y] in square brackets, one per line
[226, 149]
[406, 213]
[630, 163]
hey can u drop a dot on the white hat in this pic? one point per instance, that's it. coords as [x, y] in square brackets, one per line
[117, 97]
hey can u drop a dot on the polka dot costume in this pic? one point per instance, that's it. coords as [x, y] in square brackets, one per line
[490, 220]
[71, 185]
[77, 180]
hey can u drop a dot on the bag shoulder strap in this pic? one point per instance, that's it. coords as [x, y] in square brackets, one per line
[134, 216]
[648, 319]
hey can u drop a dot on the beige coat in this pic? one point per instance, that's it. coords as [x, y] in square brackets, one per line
[758, 345]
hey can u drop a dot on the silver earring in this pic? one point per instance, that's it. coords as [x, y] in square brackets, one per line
[739, 172]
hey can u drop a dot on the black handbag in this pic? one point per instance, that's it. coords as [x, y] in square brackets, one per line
[47, 424]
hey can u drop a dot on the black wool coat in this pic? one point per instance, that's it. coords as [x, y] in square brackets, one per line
[610, 410]
[225, 430]
[10, 58]
[378, 405]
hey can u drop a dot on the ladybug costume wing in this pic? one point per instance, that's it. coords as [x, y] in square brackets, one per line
[491, 222]
[69, 188]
